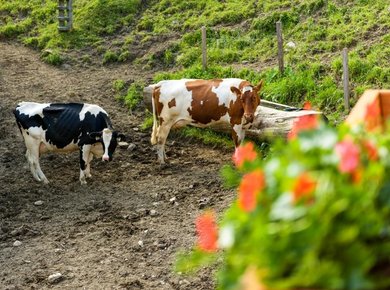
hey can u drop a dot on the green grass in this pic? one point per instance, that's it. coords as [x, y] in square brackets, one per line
[206, 136]
[35, 21]
[131, 95]
[237, 33]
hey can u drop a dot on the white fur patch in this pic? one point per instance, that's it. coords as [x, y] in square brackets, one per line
[224, 93]
[93, 109]
[107, 136]
[247, 88]
[177, 90]
[32, 109]
[240, 132]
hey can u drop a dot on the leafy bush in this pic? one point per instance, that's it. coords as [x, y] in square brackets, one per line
[314, 214]
[110, 57]
[52, 57]
[118, 85]
[133, 94]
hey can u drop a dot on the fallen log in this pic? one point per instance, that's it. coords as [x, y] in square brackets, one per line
[271, 119]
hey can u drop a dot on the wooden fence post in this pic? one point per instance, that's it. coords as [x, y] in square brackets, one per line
[346, 79]
[280, 46]
[204, 48]
[65, 15]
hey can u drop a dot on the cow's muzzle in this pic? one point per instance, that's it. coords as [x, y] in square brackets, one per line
[105, 158]
[248, 118]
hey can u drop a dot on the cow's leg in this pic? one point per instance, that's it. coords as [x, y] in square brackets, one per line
[238, 134]
[31, 160]
[32, 155]
[162, 134]
[153, 139]
[88, 168]
[85, 151]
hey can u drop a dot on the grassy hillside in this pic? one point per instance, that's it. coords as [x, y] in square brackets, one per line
[241, 41]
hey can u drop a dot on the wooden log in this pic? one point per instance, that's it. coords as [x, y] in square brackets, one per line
[271, 119]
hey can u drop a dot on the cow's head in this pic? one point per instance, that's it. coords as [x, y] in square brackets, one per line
[250, 99]
[109, 140]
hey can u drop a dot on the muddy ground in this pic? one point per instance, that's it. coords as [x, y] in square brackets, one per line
[91, 234]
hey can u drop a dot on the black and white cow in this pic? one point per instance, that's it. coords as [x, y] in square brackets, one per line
[66, 127]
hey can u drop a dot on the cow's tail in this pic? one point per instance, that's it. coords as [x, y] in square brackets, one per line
[153, 138]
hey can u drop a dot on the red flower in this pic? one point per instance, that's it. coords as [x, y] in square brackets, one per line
[304, 186]
[303, 123]
[372, 152]
[244, 153]
[251, 185]
[207, 230]
[349, 156]
[307, 105]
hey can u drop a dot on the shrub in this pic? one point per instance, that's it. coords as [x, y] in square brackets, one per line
[52, 57]
[133, 95]
[110, 56]
[314, 214]
[118, 85]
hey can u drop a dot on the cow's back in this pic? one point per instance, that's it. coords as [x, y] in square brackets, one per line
[29, 114]
[199, 102]
[62, 124]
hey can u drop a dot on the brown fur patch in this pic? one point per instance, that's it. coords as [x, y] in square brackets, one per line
[157, 104]
[172, 103]
[236, 111]
[205, 107]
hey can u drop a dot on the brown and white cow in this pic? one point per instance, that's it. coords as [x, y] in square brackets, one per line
[201, 103]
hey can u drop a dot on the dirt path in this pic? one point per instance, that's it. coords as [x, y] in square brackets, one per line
[91, 233]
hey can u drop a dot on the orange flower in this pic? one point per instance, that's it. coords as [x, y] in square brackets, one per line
[303, 123]
[304, 186]
[356, 176]
[372, 152]
[373, 115]
[349, 156]
[251, 185]
[206, 228]
[244, 153]
[307, 105]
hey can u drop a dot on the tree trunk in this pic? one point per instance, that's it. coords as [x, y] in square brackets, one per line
[271, 119]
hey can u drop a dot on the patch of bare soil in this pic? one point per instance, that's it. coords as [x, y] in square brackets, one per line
[123, 229]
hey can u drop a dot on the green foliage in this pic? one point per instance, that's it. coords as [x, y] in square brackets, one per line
[110, 57]
[216, 71]
[104, 16]
[186, 264]
[52, 57]
[35, 22]
[132, 96]
[208, 137]
[238, 34]
[147, 123]
[307, 228]
[118, 85]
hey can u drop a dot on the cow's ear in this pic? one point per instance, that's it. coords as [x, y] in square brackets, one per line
[95, 135]
[259, 86]
[236, 91]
